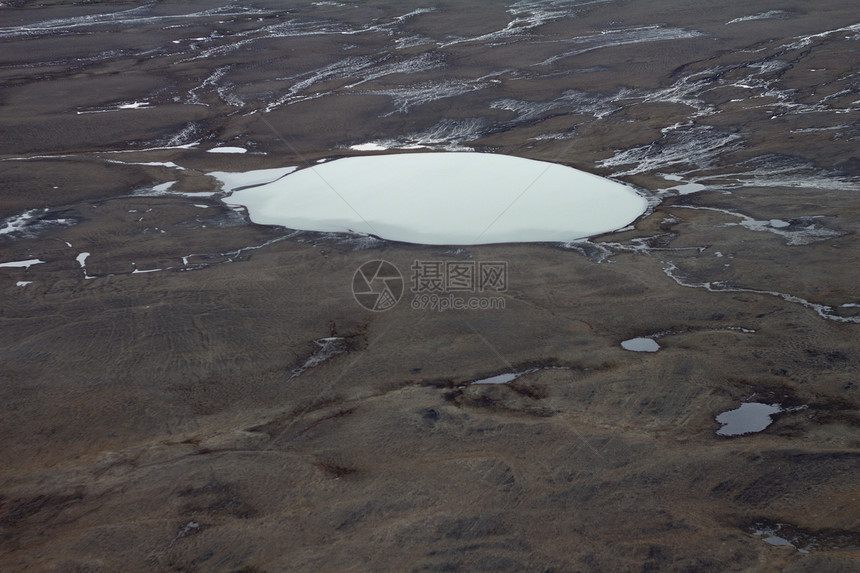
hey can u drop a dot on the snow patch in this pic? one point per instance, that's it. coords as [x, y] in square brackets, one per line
[227, 149]
[21, 264]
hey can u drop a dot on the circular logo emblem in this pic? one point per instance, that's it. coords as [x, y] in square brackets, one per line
[377, 285]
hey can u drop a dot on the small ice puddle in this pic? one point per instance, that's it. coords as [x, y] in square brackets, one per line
[683, 188]
[82, 260]
[453, 198]
[779, 223]
[227, 149]
[776, 540]
[640, 345]
[749, 418]
[687, 188]
[22, 264]
[169, 164]
[499, 378]
[769, 536]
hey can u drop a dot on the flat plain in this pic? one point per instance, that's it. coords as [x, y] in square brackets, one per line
[184, 390]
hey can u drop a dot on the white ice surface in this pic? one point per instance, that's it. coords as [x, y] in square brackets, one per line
[777, 540]
[368, 147]
[227, 149]
[498, 379]
[444, 199]
[687, 188]
[640, 345]
[162, 187]
[25, 264]
[166, 189]
[82, 259]
[156, 164]
[134, 105]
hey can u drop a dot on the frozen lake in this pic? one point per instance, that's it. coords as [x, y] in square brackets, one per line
[445, 199]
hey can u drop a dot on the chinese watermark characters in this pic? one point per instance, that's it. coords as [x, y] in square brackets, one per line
[435, 285]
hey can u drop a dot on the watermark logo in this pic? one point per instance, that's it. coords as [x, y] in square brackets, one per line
[377, 285]
[435, 285]
[459, 276]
